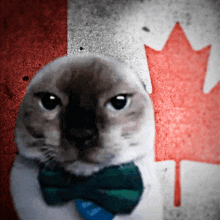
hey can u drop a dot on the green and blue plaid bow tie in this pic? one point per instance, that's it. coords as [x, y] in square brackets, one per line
[116, 189]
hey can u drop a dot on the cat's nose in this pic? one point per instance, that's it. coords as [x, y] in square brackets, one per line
[82, 133]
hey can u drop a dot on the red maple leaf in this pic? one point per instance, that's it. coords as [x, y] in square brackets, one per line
[187, 120]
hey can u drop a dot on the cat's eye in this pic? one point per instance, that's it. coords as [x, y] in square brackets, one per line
[50, 101]
[118, 102]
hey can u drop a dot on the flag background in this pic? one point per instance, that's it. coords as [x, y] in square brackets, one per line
[35, 33]
[32, 34]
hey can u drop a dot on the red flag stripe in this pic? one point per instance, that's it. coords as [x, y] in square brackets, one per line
[33, 33]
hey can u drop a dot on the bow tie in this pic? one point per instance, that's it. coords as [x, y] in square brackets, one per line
[116, 189]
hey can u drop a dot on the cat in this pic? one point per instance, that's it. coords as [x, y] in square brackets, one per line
[83, 113]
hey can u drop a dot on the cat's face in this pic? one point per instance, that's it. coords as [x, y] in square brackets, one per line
[85, 113]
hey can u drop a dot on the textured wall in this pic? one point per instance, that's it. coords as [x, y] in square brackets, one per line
[121, 29]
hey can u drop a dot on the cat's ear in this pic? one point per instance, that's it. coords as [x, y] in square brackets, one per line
[144, 85]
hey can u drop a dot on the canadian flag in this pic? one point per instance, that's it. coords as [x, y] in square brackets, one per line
[174, 46]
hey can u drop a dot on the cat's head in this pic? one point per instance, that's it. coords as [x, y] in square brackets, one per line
[84, 113]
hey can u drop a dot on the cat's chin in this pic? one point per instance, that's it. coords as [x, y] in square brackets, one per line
[81, 168]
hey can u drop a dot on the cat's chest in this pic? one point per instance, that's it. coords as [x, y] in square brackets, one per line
[26, 188]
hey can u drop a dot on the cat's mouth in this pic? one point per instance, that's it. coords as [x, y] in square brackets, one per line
[80, 160]
[74, 154]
